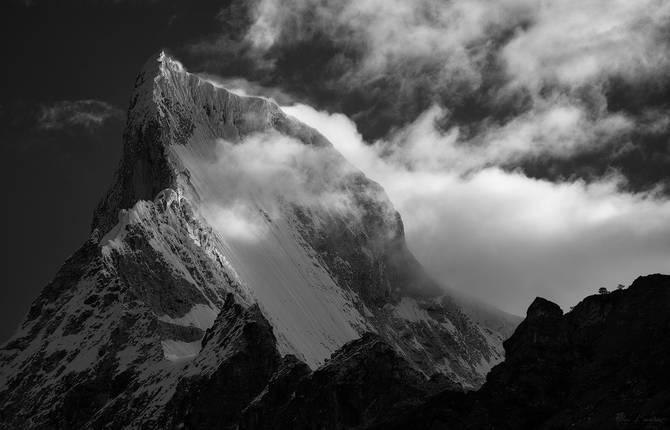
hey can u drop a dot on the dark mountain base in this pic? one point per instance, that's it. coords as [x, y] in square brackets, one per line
[604, 365]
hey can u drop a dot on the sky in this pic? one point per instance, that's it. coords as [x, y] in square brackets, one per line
[526, 144]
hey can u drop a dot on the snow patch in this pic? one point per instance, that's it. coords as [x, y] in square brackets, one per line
[175, 350]
[201, 316]
[113, 240]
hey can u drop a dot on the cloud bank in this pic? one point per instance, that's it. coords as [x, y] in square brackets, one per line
[485, 66]
[243, 184]
[502, 236]
[525, 143]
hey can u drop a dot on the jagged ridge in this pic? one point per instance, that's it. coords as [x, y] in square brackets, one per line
[604, 364]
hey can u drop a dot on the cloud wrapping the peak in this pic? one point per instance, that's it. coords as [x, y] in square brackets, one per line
[242, 183]
[502, 236]
[525, 143]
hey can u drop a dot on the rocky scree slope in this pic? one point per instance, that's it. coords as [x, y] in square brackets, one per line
[165, 312]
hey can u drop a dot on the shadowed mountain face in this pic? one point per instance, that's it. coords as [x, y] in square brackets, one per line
[605, 364]
[234, 254]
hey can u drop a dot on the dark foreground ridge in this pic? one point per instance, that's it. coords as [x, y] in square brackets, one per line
[604, 365]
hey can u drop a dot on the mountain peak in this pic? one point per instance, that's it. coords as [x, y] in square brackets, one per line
[169, 62]
[543, 308]
[179, 124]
[160, 64]
[169, 105]
[166, 277]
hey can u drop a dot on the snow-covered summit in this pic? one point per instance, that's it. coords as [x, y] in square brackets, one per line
[223, 202]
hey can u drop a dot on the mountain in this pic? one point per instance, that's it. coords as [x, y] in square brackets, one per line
[236, 254]
[603, 365]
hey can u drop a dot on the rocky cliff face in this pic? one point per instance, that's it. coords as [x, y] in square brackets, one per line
[356, 388]
[603, 365]
[200, 286]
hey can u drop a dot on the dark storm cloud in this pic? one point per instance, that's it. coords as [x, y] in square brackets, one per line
[487, 65]
[364, 60]
[500, 235]
[641, 154]
[86, 114]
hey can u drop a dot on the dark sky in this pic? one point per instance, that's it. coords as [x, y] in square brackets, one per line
[543, 132]
[68, 51]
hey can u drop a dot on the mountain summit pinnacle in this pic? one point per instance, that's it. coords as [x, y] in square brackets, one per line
[231, 231]
[168, 62]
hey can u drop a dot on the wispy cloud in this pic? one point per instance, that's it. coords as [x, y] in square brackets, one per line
[87, 114]
[263, 175]
[567, 41]
[501, 235]
[576, 42]
[244, 87]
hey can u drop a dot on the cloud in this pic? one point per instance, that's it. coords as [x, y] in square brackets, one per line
[87, 114]
[556, 129]
[244, 87]
[484, 71]
[569, 41]
[500, 235]
[263, 174]
[575, 42]
[525, 143]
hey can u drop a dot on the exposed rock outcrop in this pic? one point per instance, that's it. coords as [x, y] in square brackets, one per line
[361, 382]
[605, 364]
[239, 355]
